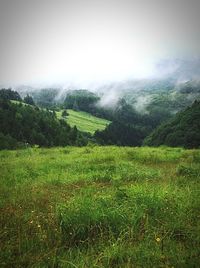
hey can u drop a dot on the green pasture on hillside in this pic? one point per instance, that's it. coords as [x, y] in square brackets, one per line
[100, 207]
[84, 121]
[20, 102]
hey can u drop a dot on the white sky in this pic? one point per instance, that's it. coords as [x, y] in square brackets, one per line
[82, 41]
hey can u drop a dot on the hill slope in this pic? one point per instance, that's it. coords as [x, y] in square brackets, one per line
[23, 124]
[84, 121]
[182, 130]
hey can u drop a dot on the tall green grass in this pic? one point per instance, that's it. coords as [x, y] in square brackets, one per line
[100, 207]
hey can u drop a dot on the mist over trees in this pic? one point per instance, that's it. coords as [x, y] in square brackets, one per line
[9, 94]
[137, 118]
[29, 100]
[128, 126]
[83, 100]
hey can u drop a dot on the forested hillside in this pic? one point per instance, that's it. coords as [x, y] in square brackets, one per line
[129, 127]
[9, 94]
[181, 130]
[23, 125]
[82, 100]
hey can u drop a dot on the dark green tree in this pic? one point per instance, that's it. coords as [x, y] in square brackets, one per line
[65, 113]
[29, 100]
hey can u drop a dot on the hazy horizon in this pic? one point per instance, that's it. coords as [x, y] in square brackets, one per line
[90, 42]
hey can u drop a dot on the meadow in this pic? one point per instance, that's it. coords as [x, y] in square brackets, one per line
[84, 121]
[100, 207]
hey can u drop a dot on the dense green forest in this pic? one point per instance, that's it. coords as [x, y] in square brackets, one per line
[182, 130]
[9, 94]
[82, 100]
[23, 125]
[127, 128]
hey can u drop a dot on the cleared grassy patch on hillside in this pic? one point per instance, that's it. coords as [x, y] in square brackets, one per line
[84, 121]
[20, 102]
[100, 207]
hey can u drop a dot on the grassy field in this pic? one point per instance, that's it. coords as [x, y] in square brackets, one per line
[84, 121]
[18, 102]
[100, 207]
